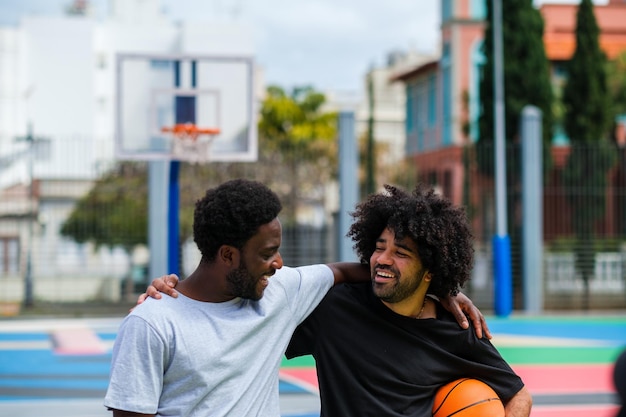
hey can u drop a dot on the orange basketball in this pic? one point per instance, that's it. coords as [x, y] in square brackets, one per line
[467, 397]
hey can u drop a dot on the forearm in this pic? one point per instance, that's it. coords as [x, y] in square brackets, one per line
[122, 413]
[350, 272]
[519, 405]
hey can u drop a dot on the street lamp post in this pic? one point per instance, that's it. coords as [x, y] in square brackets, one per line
[503, 302]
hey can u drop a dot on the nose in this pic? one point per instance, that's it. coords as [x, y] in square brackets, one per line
[384, 258]
[277, 262]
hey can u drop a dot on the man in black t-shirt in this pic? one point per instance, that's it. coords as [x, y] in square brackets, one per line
[383, 349]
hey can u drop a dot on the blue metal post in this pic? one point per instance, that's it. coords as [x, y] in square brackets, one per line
[185, 112]
[532, 209]
[173, 236]
[348, 182]
[503, 279]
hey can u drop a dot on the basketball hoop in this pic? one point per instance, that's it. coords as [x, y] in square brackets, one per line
[188, 144]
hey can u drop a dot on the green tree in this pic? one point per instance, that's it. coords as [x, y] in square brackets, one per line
[587, 123]
[526, 75]
[616, 82]
[297, 153]
[526, 79]
[114, 212]
[617, 86]
[295, 133]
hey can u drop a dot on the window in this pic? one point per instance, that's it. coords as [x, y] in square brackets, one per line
[432, 100]
[476, 69]
[477, 9]
[9, 255]
[446, 10]
[446, 77]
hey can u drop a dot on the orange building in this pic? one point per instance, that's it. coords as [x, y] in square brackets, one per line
[560, 26]
[442, 96]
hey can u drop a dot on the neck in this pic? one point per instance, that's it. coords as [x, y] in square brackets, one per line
[203, 285]
[418, 306]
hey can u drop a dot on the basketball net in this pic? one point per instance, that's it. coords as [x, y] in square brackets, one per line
[188, 143]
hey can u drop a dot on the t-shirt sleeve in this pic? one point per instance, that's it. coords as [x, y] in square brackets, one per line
[305, 338]
[306, 287]
[501, 376]
[137, 368]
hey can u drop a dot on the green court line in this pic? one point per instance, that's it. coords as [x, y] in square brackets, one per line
[559, 355]
[523, 355]
[574, 318]
[299, 362]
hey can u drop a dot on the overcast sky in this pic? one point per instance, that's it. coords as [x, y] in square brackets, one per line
[329, 44]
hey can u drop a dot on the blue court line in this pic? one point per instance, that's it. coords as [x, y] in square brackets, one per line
[611, 330]
[24, 337]
[45, 362]
[61, 383]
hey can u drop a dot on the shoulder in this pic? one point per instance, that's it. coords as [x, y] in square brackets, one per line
[153, 310]
[305, 271]
[312, 275]
[348, 294]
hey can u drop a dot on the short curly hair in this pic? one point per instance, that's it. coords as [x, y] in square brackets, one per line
[231, 214]
[440, 230]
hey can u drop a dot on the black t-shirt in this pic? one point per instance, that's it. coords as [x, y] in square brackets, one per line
[373, 362]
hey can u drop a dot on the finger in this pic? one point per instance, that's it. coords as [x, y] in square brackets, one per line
[478, 327]
[461, 318]
[161, 285]
[485, 327]
[171, 280]
[151, 291]
[479, 323]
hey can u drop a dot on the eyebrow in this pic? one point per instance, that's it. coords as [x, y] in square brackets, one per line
[398, 244]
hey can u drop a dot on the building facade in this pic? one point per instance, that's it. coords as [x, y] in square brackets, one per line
[57, 84]
[443, 103]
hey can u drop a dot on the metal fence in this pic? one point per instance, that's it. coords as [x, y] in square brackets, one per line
[62, 270]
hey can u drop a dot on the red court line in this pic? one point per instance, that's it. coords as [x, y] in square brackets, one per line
[539, 379]
[555, 379]
[305, 378]
[575, 411]
[77, 341]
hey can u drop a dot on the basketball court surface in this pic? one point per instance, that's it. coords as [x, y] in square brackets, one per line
[59, 367]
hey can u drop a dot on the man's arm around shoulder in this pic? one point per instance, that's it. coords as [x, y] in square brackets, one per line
[346, 272]
[123, 413]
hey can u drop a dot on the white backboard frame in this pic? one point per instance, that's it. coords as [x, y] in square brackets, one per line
[229, 80]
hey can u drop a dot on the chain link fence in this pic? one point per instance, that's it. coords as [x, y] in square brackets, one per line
[584, 267]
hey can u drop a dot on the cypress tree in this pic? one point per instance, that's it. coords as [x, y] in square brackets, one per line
[587, 123]
[526, 82]
[526, 79]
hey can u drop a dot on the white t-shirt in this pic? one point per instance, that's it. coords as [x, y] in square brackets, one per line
[182, 357]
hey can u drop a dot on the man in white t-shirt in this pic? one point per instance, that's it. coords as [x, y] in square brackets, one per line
[216, 348]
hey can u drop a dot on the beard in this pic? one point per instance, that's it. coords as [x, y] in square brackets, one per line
[398, 289]
[242, 284]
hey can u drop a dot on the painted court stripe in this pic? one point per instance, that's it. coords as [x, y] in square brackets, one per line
[567, 378]
[77, 341]
[305, 378]
[540, 379]
[575, 411]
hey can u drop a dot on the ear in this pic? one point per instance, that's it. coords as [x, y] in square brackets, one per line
[229, 255]
[427, 276]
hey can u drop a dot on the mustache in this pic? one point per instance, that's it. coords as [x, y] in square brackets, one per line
[379, 267]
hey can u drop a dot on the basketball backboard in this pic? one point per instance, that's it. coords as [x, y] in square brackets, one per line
[159, 94]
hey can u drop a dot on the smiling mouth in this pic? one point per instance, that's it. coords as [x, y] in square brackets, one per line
[383, 277]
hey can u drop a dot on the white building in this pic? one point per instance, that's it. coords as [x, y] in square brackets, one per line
[387, 108]
[57, 74]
